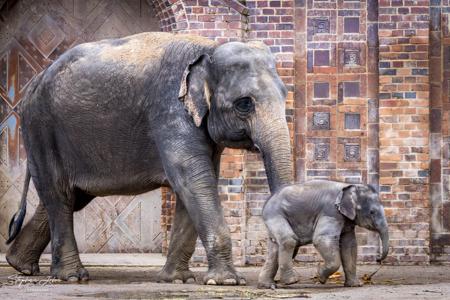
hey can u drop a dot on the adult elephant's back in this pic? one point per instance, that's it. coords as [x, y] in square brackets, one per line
[97, 107]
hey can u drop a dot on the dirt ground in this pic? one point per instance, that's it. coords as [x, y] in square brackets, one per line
[412, 282]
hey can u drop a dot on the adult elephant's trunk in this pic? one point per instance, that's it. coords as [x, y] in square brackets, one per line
[272, 139]
[384, 236]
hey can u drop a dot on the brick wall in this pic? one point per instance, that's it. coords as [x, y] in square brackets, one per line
[404, 127]
[358, 109]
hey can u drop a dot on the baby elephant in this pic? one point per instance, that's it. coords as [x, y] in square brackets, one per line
[324, 213]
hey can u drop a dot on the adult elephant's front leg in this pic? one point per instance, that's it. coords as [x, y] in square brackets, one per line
[183, 238]
[193, 178]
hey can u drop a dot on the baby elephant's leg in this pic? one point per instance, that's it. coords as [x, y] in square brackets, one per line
[285, 238]
[270, 268]
[349, 248]
[328, 247]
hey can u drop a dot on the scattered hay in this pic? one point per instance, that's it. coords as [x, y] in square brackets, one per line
[367, 278]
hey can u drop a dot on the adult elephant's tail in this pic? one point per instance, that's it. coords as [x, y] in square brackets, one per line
[17, 220]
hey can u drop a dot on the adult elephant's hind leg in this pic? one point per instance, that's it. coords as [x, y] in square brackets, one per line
[183, 238]
[66, 264]
[25, 251]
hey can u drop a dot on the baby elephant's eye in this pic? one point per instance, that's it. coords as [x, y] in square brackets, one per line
[243, 105]
[373, 211]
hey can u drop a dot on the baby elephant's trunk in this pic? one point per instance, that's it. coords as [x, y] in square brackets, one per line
[384, 236]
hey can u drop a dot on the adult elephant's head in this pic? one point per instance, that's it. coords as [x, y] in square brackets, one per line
[238, 94]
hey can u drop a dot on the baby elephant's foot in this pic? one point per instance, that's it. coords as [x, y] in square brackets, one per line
[353, 283]
[288, 277]
[322, 277]
[324, 273]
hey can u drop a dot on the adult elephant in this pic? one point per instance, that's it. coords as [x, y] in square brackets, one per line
[129, 115]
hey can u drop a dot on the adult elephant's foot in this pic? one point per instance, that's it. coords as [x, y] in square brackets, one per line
[71, 273]
[27, 265]
[269, 284]
[176, 276]
[223, 276]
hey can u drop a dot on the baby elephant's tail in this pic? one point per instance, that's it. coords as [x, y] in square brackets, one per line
[17, 220]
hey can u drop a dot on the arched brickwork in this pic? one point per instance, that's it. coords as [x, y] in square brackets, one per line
[171, 13]
[220, 20]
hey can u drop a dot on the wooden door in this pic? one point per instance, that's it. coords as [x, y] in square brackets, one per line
[32, 35]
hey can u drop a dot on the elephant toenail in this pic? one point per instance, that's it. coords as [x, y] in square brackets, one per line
[242, 281]
[177, 281]
[26, 272]
[190, 281]
[72, 279]
[211, 282]
[230, 281]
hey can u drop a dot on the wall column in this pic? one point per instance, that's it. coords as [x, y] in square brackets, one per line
[404, 126]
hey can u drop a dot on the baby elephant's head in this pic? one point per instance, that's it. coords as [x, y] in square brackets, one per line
[361, 204]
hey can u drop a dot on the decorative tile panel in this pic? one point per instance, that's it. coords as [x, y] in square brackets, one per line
[321, 25]
[351, 57]
[321, 151]
[321, 121]
[352, 152]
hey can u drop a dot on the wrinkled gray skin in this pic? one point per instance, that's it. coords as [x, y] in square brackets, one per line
[324, 213]
[129, 115]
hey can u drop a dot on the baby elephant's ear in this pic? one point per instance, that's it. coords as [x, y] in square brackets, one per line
[346, 202]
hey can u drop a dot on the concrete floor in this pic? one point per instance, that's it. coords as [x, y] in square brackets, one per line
[133, 276]
[133, 282]
[108, 259]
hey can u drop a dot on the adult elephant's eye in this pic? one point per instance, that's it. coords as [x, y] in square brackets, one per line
[244, 105]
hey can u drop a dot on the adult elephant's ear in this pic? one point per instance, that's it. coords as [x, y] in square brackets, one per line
[194, 89]
[346, 202]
